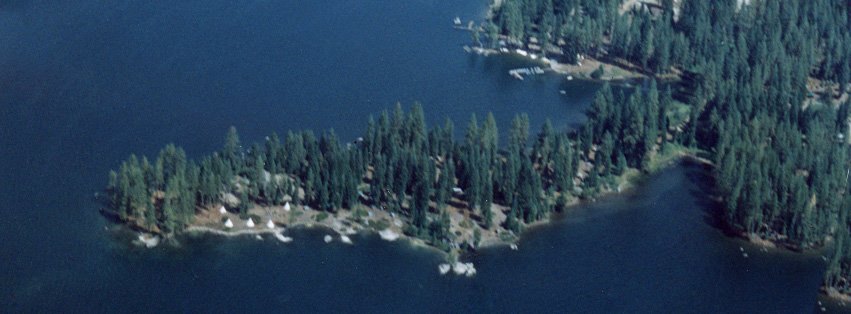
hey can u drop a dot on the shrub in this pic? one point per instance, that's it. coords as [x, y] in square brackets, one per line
[321, 216]
[598, 73]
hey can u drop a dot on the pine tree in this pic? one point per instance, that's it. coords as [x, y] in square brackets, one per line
[232, 150]
[444, 184]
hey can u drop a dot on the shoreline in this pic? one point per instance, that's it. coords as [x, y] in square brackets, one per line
[203, 229]
[583, 70]
[342, 223]
[833, 294]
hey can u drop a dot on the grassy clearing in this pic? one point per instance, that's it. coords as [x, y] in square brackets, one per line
[294, 216]
[321, 216]
[380, 224]
[679, 113]
[616, 71]
[672, 152]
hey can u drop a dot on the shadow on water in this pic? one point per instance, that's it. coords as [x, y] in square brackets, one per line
[705, 194]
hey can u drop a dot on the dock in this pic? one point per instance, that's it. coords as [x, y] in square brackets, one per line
[520, 72]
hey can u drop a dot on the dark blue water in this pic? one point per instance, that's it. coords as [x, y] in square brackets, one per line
[85, 83]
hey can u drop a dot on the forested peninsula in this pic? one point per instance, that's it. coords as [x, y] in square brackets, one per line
[766, 83]
[762, 95]
[399, 177]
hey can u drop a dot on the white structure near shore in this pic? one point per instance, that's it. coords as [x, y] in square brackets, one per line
[250, 223]
[228, 224]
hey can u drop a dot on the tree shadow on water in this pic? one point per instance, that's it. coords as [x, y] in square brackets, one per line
[706, 195]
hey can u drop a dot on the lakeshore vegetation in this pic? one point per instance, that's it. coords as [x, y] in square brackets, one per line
[762, 94]
[766, 83]
[401, 166]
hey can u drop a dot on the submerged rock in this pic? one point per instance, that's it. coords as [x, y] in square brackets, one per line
[328, 239]
[444, 268]
[148, 240]
[345, 239]
[283, 238]
[471, 270]
[388, 235]
[459, 268]
[466, 269]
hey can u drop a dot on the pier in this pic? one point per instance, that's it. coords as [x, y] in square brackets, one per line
[520, 72]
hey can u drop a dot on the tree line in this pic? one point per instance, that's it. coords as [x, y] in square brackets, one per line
[401, 166]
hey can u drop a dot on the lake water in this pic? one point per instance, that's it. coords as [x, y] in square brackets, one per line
[85, 83]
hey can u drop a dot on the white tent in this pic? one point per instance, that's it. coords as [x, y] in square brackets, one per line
[250, 223]
[270, 224]
[222, 210]
[287, 206]
[228, 224]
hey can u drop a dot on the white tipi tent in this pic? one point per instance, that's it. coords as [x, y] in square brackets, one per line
[270, 224]
[228, 224]
[222, 210]
[250, 223]
[287, 206]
